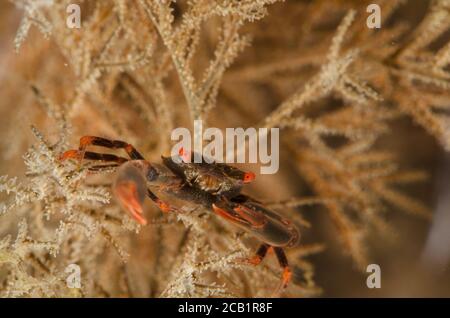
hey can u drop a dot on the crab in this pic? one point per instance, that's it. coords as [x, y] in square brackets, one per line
[214, 186]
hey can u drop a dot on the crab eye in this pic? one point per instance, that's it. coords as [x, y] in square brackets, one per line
[152, 174]
[249, 177]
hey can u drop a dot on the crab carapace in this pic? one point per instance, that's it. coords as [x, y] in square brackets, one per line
[214, 186]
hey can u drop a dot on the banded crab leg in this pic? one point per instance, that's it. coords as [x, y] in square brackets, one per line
[95, 156]
[86, 141]
[287, 274]
[260, 254]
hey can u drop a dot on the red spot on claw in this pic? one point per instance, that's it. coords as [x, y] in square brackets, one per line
[249, 177]
[126, 193]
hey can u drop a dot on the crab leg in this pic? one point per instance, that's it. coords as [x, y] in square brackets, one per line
[89, 155]
[287, 274]
[260, 254]
[163, 206]
[101, 167]
[273, 230]
[102, 142]
[109, 143]
[230, 215]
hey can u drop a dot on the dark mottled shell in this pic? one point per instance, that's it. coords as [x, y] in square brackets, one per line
[212, 178]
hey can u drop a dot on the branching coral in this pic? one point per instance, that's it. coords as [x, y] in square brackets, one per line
[137, 69]
[19, 257]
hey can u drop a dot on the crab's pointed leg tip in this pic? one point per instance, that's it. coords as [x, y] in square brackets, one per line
[69, 154]
[285, 279]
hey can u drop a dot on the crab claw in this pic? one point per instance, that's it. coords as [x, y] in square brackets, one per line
[130, 190]
[127, 195]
